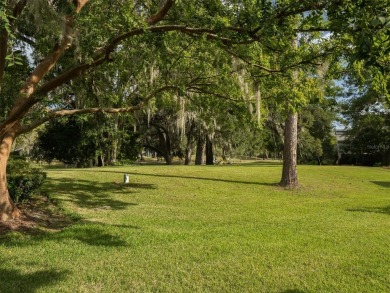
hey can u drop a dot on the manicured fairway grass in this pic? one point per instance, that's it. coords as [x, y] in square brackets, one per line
[208, 229]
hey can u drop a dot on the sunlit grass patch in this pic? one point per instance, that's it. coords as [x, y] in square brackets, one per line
[208, 229]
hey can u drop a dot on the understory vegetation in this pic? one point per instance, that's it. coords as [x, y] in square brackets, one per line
[207, 229]
[23, 179]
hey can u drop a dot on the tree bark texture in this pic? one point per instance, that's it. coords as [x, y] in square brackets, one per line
[289, 173]
[189, 146]
[164, 144]
[386, 158]
[187, 159]
[8, 209]
[209, 152]
[200, 147]
[115, 143]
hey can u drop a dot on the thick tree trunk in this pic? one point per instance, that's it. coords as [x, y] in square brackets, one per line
[209, 152]
[386, 158]
[101, 160]
[189, 147]
[168, 159]
[8, 209]
[290, 174]
[115, 142]
[187, 159]
[200, 147]
[165, 146]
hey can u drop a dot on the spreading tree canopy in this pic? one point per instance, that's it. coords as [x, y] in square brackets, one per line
[53, 52]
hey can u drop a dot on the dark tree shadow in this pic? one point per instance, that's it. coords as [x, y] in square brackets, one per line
[90, 233]
[259, 164]
[43, 220]
[39, 213]
[93, 235]
[14, 281]
[385, 184]
[91, 194]
[378, 210]
[208, 179]
[186, 177]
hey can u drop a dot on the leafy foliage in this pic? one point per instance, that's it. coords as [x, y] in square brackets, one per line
[85, 141]
[23, 179]
[316, 141]
[369, 139]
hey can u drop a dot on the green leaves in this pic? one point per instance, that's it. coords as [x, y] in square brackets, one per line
[14, 60]
[5, 16]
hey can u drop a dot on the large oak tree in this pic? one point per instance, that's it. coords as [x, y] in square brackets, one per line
[45, 78]
[77, 36]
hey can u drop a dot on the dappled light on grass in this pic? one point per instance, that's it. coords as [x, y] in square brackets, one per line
[207, 229]
[90, 194]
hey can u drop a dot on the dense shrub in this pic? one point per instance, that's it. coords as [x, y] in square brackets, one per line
[23, 180]
[87, 141]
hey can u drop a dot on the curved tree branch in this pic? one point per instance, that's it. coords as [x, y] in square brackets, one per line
[28, 95]
[25, 99]
[269, 70]
[161, 13]
[62, 113]
[102, 55]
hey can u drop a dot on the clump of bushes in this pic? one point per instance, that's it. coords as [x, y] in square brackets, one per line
[23, 180]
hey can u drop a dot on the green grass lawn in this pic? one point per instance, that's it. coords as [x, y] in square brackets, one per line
[208, 229]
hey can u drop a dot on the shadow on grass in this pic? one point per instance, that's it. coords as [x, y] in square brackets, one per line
[12, 280]
[259, 164]
[92, 234]
[204, 179]
[378, 210]
[183, 177]
[86, 232]
[43, 220]
[98, 195]
[385, 184]
[38, 213]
